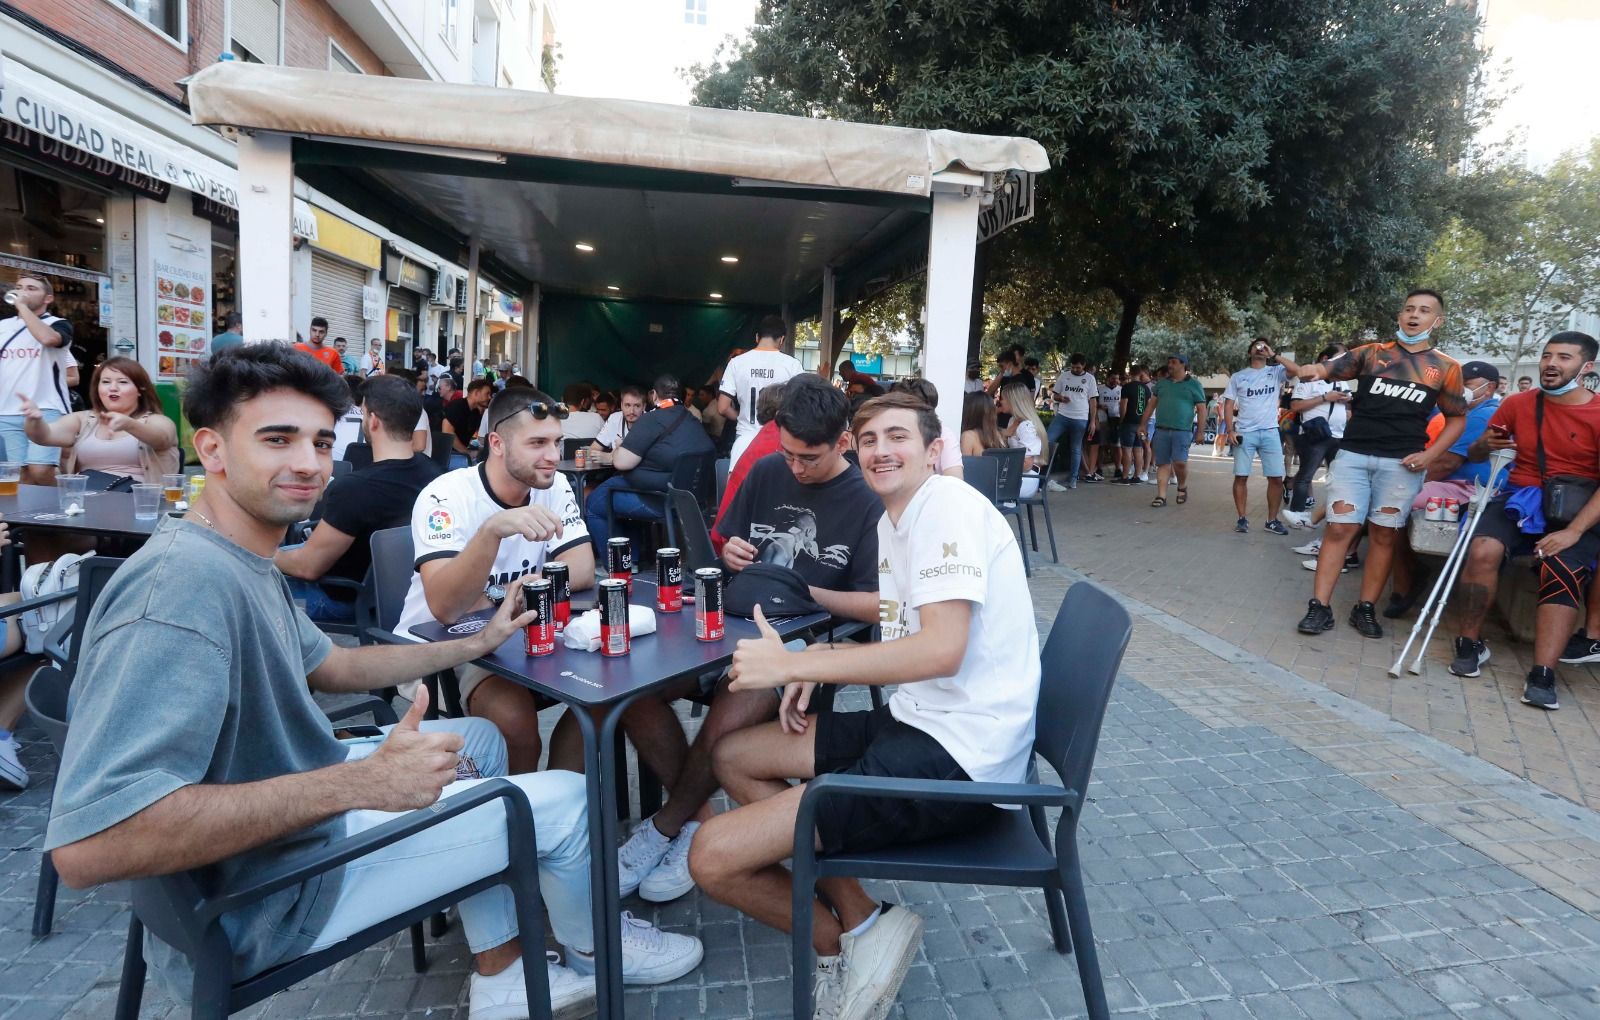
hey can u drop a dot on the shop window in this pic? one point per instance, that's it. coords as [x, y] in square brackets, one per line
[165, 16]
[694, 12]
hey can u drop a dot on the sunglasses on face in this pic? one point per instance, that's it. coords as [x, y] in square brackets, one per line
[540, 411]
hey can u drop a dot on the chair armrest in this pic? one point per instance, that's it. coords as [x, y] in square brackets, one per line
[341, 582]
[382, 712]
[341, 852]
[27, 605]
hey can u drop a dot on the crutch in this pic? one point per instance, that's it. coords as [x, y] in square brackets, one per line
[1452, 566]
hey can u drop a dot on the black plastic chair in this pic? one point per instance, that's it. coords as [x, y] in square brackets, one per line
[443, 447]
[720, 470]
[358, 456]
[693, 474]
[569, 447]
[983, 474]
[342, 468]
[185, 913]
[694, 538]
[1008, 491]
[1080, 662]
[390, 581]
[1041, 499]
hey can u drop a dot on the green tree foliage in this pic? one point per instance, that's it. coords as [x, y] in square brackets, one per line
[1527, 257]
[1202, 150]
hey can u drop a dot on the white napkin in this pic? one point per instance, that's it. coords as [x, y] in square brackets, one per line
[583, 633]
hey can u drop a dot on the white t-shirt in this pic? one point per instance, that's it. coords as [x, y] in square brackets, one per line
[1337, 414]
[582, 425]
[613, 432]
[1110, 402]
[32, 369]
[974, 386]
[346, 430]
[1255, 392]
[950, 454]
[451, 510]
[951, 544]
[750, 373]
[1026, 437]
[423, 425]
[1073, 393]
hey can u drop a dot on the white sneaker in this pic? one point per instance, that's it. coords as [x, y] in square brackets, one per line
[670, 878]
[1055, 486]
[1144, 476]
[504, 996]
[1311, 548]
[827, 992]
[876, 962]
[13, 776]
[1295, 519]
[650, 956]
[639, 855]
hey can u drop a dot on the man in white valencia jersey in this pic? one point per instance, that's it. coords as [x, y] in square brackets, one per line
[35, 362]
[749, 374]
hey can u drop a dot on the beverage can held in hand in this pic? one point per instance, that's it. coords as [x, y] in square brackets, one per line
[669, 580]
[538, 596]
[619, 560]
[613, 603]
[708, 624]
[560, 580]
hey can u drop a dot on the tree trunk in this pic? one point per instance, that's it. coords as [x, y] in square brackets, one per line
[980, 276]
[1131, 303]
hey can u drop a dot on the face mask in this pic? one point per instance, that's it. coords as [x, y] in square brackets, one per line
[1412, 341]
[1567, 387]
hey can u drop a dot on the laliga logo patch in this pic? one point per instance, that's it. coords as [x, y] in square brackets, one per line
[467, 627]
[439, 520]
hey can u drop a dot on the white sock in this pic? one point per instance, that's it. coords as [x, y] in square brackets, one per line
[864, 926]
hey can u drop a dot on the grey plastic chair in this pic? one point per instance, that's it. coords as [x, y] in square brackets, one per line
[1008, 492]
[1080, 661]
[1041, 499]
[983, 474]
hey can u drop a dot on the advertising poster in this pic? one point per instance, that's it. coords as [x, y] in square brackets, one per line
[182, 282]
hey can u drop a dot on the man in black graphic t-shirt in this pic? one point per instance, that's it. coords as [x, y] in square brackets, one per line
[806, 508]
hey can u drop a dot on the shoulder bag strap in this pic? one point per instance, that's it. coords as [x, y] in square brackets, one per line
[1538, 426]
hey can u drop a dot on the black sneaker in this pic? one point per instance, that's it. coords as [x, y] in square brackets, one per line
[1399, 605]
[1318, 618]
[1540, 690]
[1242, 526]
[1364, 618]
[1581, 648]
[1276, 527]
[1352, 560]
[1470, 655]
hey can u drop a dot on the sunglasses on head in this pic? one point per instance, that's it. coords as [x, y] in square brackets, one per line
[540, 411]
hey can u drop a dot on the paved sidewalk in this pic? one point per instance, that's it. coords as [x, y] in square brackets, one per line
[1255, 846]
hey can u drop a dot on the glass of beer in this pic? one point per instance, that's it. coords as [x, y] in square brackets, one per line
[10, 477]
[172, 487]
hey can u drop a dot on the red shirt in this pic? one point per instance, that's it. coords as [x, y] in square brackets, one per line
[765, 442]
[1571, 437]
[325, 354]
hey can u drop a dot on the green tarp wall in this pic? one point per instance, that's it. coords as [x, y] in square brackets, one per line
[612, 343]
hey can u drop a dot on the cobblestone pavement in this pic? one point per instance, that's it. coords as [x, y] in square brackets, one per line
[1255, 845]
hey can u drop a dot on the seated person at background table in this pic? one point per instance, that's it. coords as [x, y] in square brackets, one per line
[805, 508]
[620, 422]
[422, 431]
[979, 428]
[766, 441]
[950, 451]
[959, 638]
[605, 404]
[474, 530]
[582, 421]
[40, 368]
[125, 434]
[196, 744]
[462, 417]
[645, 461]
[360, 503]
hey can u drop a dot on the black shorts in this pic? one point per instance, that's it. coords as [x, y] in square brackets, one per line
[1111, 434]
[1502, 527]
[875, 743]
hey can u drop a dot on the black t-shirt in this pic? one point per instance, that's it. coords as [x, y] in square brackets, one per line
[366, 501]
[661, 438]
[1024, 377]
[463, 419]
[433, 407]
[827, 532]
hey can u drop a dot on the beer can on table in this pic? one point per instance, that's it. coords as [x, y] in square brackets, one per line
[614, 635]
[708, 603]
[619, 560]
[560, 580]
[669, 580]
[538, 595]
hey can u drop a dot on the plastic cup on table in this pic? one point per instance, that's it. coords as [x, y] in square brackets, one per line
[172, 487]
[10, 477]
[146, 502]
[73, 490]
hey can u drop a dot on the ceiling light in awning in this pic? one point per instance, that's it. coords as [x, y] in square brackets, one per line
[612, 286]
[584, 246]
[730, 259]
[715, 296]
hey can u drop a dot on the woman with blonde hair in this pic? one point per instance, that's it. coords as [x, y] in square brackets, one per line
[1024, 431]
[125, 434]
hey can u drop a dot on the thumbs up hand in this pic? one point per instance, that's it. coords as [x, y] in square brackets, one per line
[411, 768]
[763, 662]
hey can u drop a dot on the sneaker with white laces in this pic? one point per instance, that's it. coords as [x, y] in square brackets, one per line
[504, 996]
[827, 989]
[1055, 486]
[670, 878]
[1311, 548]
[1295, 519]
[639, 855]
[13, 775]
[876, 962]
[650, 956]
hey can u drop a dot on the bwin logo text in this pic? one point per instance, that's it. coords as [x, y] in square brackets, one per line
[1409, 391]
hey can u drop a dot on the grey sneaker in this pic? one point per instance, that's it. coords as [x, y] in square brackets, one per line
[1539, 691]
[1276, 527]
[1470, 655]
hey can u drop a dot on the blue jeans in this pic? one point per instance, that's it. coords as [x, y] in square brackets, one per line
[320, 606]
[470, 846]
[15, 445]
[623, 504]
[1377, 489]
[1072, 429]
[1266, 444]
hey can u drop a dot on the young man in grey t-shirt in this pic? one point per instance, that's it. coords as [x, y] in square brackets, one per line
[195, 742]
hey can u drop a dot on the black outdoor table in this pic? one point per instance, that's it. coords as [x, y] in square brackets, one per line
[589, 680]
[580, 475]
[104, 513]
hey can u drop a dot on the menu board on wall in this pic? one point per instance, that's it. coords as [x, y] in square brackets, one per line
[183, 310]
